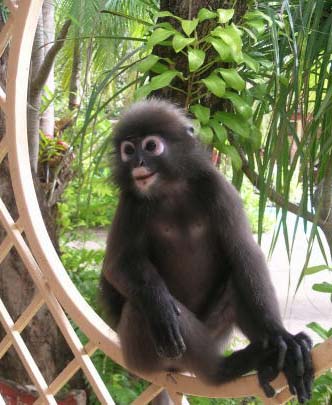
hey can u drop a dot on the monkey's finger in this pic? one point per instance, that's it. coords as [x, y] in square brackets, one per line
[301, 391]
[303, 338]
[295, 352]
[295, 382]
[178, 340]
[264, 378]
[308, 377]
[269, 391]
[282, 350]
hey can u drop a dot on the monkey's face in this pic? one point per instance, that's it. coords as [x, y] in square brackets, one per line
[154, 148]
[144, 157]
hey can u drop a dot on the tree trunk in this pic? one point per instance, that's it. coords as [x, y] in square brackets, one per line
[75, 78]
[47, 117]
[34, 97]
[42, 336]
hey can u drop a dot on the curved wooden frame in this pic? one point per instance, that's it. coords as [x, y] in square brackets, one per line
[54, 286]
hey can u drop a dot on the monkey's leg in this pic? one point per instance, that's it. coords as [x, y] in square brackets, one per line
[202, 356]
[137, 342]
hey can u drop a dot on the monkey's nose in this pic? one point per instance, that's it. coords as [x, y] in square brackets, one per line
[141, 163]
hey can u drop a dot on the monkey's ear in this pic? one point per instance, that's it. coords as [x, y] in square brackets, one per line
[190, 130]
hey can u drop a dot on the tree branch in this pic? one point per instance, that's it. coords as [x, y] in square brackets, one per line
[272, 194]
[42, 75]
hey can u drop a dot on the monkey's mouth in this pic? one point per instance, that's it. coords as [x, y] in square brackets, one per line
[143, 178]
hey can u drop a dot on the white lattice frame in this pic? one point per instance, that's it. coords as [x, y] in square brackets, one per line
[54, 286]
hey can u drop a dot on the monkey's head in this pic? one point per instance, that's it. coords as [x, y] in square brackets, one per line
[153, 144]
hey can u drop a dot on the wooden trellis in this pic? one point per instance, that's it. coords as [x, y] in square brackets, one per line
[54, 287]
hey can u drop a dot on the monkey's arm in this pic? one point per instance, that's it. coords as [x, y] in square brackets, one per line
[128, 269]
[257, 308]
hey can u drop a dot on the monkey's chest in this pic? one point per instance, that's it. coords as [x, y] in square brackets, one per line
[185, 256]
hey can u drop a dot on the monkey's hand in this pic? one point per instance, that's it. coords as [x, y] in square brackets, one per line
[165, 328]
[292, 355]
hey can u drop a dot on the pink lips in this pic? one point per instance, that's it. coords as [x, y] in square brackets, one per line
[141, 173]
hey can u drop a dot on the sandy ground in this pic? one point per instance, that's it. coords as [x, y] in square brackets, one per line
[298, 310]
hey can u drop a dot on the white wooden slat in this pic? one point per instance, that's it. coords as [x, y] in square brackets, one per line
[7, 243]
[24, 355]
[2, 401]
[54, 307]
[22, 322]
[67, 373]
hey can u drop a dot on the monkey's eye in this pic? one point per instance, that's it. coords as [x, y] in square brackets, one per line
[127, 150]
[154, 145]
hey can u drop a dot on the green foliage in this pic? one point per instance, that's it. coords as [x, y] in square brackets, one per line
[84, 269]
[88, 205]
[216, 64]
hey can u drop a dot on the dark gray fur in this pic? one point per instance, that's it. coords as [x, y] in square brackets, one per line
[182, 268]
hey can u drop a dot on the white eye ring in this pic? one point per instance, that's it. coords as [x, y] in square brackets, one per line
[154, 145]
[127, 150]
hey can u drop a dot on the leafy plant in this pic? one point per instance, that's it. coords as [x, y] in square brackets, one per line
[215, 64]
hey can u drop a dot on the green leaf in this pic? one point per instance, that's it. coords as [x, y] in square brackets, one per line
[316, 269]
[180, 42]
[251, 62]
[239, 104]
[143, 92]
[163, 80]
[232, 79]
[162, 14]
[257, 25]
[220, 132]
[215, 84]
[249, 32]
[323, 333]
[189, 26]
[230, 151]
[205, 14]
[225, 14]
[201, 113]
[206, 135]
[323, 287]
[256, 14]
[232, 36]
[255, 137]
[196, 59]
[235, 123]
[159, 35]
[167, 25]
[222, 48]
[159, 68]
[147, 63]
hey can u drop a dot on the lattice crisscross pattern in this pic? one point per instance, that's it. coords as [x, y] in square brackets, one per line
[53, 285]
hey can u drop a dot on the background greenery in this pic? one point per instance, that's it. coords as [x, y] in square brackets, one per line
[258, 84]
